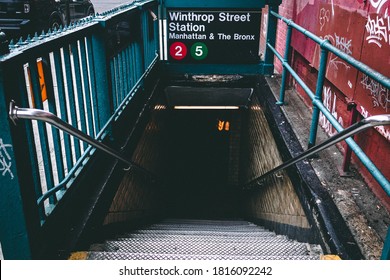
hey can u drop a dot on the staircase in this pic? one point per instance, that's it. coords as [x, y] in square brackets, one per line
[179, 239]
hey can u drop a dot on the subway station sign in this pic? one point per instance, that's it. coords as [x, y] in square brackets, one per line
[225, 37]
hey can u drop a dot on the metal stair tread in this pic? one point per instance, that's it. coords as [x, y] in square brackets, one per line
[177, 239]
[204, 227]
[208, 223]
[149, 256]
[202, 233]
[188, 238]
[291, 248]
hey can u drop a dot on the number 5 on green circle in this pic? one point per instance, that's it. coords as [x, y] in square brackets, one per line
[199, 51]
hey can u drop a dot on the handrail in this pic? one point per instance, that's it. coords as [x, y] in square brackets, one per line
[378, 120]
[316, 97]
[325, 44]
[16, 113]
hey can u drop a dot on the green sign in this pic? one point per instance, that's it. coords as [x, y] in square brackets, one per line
[213, 36]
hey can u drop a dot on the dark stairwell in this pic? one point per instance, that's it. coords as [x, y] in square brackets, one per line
[200, 210]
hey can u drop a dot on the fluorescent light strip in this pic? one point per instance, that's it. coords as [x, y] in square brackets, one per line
[206, 107]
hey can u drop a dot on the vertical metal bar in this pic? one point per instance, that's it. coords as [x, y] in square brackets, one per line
[113, 84]
[70, 97]
[348, 151]
[101, 77]
[285, 60]
[318, 97]
[128, 69]
[91, 70]
[20, 80]
[42, 131]
[117, 82]
[79, 90]
[140, 60]
[121, 77]
[52, 108]
[268, 67]
[124, 73]
[62, 106]
[135, 64]
[146, 40]
[87, 90]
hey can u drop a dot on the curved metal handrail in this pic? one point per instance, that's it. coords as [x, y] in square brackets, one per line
[16, 113]
[378, 120]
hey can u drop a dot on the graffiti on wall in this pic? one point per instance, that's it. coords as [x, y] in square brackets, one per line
[372, 97]
[378, 4]
[330, 102]
[378, 29]
[360, 29]
[381, 129]
[324, 17]
[5, 160]
[379, 94]
[343, 44]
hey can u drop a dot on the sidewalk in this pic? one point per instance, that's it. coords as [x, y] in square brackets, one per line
[366, 217]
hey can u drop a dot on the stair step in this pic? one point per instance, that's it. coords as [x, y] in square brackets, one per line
[177, 239]
[199, 248]
[201, 233]
[238, 228]
[207, 222]
[149, 256]
[198, 238]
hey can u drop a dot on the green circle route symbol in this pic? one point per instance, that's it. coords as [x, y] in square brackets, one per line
[199, 51]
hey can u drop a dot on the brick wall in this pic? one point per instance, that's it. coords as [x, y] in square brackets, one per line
[349, 25]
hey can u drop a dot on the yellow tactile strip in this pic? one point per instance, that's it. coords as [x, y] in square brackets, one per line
[78, 256]
[330, 258]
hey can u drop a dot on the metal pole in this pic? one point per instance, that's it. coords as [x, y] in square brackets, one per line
[285, 61]
[318, 97]
[348, 151]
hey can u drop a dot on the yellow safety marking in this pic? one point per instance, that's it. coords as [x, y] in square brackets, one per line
[330, 258]
[78, 256]
[42, 83]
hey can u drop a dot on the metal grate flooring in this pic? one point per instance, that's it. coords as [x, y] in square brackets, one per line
[204, 240]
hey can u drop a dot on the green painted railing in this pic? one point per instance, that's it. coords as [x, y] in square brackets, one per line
[85, 74]
[316, 97]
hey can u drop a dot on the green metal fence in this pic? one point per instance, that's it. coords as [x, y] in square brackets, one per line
[85, 73]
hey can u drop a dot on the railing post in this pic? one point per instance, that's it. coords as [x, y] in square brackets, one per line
[318, 96]
[104, 104]
[285, 61]
[348, 152]
[268, 67]
[14, 237]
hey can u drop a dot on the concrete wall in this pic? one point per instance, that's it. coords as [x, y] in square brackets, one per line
[362, 29]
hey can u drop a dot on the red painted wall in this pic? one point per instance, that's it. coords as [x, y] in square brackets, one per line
[360, 28]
